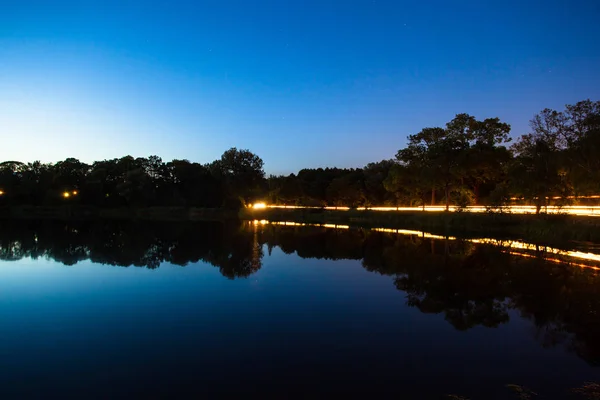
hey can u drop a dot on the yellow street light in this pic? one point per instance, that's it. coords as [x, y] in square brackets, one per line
[75, 192]
[66, 195]
[1, 192]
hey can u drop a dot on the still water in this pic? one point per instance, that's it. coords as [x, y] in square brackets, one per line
[126, 310]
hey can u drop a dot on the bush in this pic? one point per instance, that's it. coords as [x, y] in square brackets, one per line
[498, 200]
[462, 198]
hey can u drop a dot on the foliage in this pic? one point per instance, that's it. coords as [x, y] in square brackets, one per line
[464, 154]
[467, 161]
[133, 182]
[242, 173]
[499, 199]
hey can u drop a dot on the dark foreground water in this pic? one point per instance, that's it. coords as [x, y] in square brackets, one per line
[122, 310]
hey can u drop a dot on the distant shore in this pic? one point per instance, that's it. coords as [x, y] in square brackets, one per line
[550, 228]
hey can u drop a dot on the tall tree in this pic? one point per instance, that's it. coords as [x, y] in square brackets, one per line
[535, 173]
[486, 160]
[374, 176]
[243, 174]
[439, 150]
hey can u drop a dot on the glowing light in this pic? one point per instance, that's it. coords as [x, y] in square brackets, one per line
[409, 232]
[66, 195]
[288, 223]
[75, 192]
[587, 211]
[1, 192]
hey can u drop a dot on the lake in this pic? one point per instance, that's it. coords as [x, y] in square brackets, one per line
[211, 310]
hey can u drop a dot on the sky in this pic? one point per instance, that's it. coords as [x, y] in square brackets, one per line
[311, 83]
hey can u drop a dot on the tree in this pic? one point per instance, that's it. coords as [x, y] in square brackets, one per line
[243, 174]
[193, 185]
[580, 128]
[36, 182]
[409, 183]
[560, 156]
[439, 150]
[70, 174]
[486, 159]
[285, 189]
[535, 173]
[374, 176]
[466, 153]
[347, 190]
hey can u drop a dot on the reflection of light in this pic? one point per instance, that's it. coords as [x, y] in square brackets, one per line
[287, 223]
[259, 205]
[66, 195]
[511, 246]
[554, 260]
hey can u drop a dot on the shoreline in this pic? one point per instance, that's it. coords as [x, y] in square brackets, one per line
[548, 228]
[142, 213]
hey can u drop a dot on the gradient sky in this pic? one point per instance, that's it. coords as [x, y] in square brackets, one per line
[300, 83]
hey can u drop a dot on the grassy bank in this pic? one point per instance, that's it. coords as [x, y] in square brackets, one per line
[538, 228]
[148, 213]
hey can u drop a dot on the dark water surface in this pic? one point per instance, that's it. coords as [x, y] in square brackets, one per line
[215, 311]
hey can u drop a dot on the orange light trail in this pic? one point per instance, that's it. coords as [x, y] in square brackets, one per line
[587, 211]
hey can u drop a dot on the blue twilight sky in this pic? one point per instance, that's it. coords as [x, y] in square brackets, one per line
[301, 83]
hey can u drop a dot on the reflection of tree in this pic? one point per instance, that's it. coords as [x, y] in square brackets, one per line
[239, 254]
[316, 242]
[124, 243]
[470, 284]
[451, 278]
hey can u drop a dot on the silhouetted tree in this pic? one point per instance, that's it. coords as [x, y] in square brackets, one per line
[242, 173]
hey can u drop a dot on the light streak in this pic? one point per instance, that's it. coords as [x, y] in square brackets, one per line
[588, 211]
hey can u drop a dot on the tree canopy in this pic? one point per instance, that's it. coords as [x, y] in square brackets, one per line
[467, 161]
[134, 182]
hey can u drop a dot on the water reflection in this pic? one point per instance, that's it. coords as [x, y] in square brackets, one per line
[229, 247]
[472, 282]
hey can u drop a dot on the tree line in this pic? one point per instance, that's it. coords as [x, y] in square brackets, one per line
[466, 162]
[234, 179]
